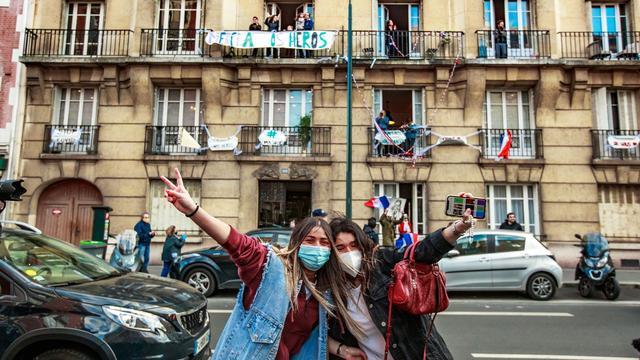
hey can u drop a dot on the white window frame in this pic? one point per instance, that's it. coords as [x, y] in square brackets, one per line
[165, 26]
[489, 122]
[495, 220]
[603, 22]
[162, 120]
[163, 214]
[269, 95]
[417, 94]
[67, 100]
[603, 109]
[379, 190]
[74, 26]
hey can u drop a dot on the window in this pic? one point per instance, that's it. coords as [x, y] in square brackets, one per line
[176, 109]
[84, 20]
[473, 245]
[614, 109]
[609, 23]
[285, 108]
[619, 206]
[178, 21]
[163, 214]
[509, 243]
[520, 199]
[402, 105]
[416, 206]
[510, 109]
[75, 106]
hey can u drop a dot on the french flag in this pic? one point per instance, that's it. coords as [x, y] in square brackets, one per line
[378, 202]
[505, 145]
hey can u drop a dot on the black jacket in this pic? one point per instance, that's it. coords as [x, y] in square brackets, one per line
[371, 233]
[515, 226]
[172, 244]
[408, 331]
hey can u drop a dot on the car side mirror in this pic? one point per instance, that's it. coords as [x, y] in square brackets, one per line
[453, 253]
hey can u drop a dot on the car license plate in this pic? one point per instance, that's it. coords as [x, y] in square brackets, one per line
[202, 342]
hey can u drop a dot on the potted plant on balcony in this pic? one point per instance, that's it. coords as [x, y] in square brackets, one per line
[304, 131]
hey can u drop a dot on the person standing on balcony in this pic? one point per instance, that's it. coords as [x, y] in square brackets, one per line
[273, 24]
[255, 26]
[308, 26]
[500, 35]
[410, 133]
[383, 122]
[145, 234]
[300, 27]
[391, 35]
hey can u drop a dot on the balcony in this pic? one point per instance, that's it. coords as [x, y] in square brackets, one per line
[172, 42]
[76, 43]
[68, 139]
[600, 45]
[311, 141]
[380, 148]
[165, 140]
[604, 140]
[521, 44]
[411, 45]
[526, 144]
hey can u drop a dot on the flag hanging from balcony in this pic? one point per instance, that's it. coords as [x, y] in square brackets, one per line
[186, 140]
[505, 145]
[381, 202]
[624, 142]
[307, 40]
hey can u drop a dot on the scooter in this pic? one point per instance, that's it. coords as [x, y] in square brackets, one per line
[125, 255]
[595, 269]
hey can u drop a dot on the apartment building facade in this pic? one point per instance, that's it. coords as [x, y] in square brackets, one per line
[126, 79]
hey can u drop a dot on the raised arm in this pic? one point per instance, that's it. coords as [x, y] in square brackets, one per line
[180, 198]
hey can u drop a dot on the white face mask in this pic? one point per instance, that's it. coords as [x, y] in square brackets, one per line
[351, 262]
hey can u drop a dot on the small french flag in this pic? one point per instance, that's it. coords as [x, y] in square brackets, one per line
[505, 145]
[378, 202]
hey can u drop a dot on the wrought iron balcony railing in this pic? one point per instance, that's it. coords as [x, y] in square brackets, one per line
[285, 141]
[165, 140]
[600, 45]
[414, 142]
[59, 139]
[172, 42]
[615, 144]
[531, 44]
[415, 45]
[525, 143]
[65, 42]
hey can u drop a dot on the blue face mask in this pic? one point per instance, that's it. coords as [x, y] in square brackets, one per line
[313, 257]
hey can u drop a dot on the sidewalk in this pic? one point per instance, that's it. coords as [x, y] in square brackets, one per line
[625, 277]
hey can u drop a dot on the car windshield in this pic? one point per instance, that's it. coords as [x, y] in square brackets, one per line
[51, 262]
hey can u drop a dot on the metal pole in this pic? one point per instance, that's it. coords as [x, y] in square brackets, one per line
[349, 90]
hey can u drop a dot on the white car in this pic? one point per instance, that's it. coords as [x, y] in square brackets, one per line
[499, 260]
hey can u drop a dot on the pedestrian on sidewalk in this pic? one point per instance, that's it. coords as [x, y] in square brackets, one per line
[145, 234]
[283, 307]
[510, 223]
[370, 229]
[368, 269]
[171, 249]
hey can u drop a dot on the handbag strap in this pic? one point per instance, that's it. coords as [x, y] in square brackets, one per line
[388, 336]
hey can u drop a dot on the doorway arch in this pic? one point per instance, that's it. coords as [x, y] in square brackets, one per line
[65, 210]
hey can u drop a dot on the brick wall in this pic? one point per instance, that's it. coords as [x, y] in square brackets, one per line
[9, 40]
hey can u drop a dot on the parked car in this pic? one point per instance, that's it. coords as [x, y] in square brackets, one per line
[59, 302]
[502, 260]
[208, 270]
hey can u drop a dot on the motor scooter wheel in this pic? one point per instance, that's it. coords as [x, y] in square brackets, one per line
[611, 288]
[585, 287]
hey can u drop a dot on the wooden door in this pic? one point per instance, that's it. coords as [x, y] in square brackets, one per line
[65, 210]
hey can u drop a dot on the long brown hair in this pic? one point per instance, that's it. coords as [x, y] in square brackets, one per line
[329, 277]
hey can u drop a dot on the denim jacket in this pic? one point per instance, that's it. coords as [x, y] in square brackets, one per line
[255, 333]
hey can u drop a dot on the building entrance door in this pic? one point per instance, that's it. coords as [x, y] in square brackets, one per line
[283, 201]
[65, 210]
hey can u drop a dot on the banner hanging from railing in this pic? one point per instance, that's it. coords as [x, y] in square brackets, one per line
[308, 40]
[65, 136]
[623, 141]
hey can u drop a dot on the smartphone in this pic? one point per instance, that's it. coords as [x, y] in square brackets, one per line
[456, 205]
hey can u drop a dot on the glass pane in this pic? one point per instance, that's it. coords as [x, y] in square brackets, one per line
[509, 243]
[516, 192]
[173, 114]
[496, 117]
[390, 190]
[279, 95]
[596, 16]
[500, 191]
[499, 212]
[525, 117]
[517, 206]
[279, 114]
[189, 114]
[174, 95]
[532, 214]
[474, 245]
[74, 108]
[512, 117]
[295, 107]
[75, 94]
[487, 14]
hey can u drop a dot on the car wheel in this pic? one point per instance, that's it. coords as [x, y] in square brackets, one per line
[541, 286]
[64, 354]
[202, 280]
[611, 288]
[585, 287]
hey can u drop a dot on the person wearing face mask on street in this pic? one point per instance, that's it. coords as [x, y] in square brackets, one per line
[368, 269]
[145, 234]
[287, 295]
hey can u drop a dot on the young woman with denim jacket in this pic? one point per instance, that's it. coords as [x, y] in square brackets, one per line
[368, 269]
[286, 297]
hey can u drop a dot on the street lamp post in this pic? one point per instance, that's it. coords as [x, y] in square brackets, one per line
[349, 90]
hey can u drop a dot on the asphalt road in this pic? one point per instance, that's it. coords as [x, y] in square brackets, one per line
[511, 326]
